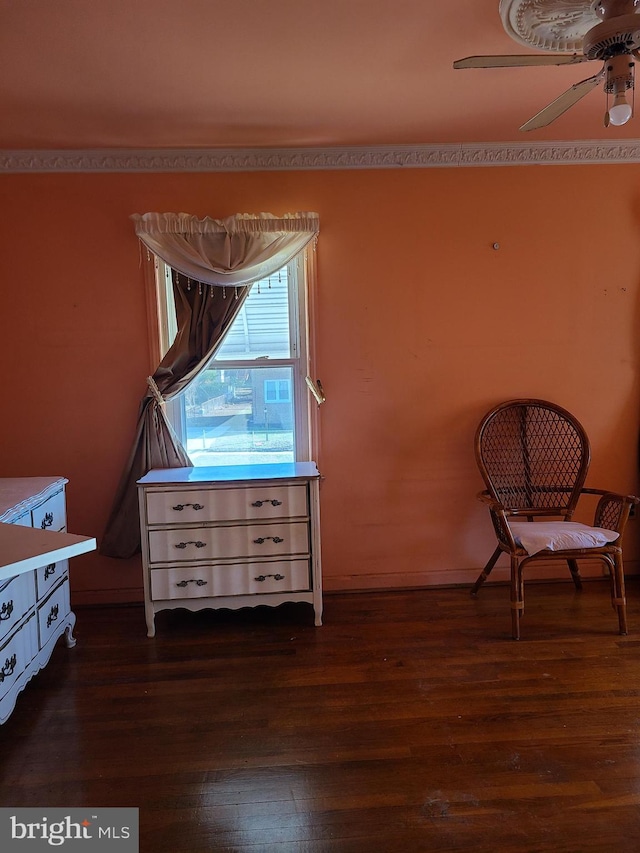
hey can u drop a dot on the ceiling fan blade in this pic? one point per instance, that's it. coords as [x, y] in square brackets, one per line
[516, 61]
[562, 104]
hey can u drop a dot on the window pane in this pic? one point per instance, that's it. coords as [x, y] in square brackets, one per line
[262, 327]
[240, 416]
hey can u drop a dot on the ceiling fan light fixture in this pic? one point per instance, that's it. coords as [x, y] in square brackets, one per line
[619, 81]
[620, 112]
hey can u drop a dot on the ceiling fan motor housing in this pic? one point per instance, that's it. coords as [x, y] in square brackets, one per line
[620, 77]
[614, 36]
[614, 8]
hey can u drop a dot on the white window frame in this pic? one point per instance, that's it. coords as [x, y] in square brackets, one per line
[301, 280]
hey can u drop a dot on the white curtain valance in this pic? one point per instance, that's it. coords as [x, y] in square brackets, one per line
[227, 252]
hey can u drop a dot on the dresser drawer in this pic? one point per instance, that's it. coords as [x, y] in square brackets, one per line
[48, 576]
[16, 597]
[219, 543]
[51, 514]
[201, 505]
[52, 611]
[16, 655]
[230, 579]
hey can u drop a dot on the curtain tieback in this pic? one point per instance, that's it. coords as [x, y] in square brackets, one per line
[155, 391]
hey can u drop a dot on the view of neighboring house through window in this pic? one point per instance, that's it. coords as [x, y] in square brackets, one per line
[250, 404]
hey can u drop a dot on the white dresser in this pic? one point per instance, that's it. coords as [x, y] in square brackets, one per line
[35, 606]
[230, 537]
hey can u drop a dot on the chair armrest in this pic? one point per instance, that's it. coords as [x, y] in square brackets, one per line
[612, 511]
[499, 515]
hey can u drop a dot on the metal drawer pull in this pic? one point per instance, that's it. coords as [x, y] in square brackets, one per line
[50, 570]
[196, 581]
[180, 507]
[53, 615]
[198, 544]
[264, 539]
[47, 521]
[267, 501]
[6, 610]
[264, 577]
[8, 668]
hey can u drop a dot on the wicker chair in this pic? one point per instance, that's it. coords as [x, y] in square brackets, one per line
[534, 457]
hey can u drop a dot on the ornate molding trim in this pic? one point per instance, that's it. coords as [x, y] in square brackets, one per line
[308, 159]
[555, 25]
[551, 153]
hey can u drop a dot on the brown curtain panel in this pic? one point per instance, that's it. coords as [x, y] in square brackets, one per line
[203, 316]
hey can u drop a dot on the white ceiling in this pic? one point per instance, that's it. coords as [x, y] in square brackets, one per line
[85, 74]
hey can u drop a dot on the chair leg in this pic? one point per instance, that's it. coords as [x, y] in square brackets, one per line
[517, 598]
[611, 566]
[484, 574]
[575, 574]
[619, 601]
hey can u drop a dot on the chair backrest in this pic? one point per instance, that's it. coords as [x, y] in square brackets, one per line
[533, 455]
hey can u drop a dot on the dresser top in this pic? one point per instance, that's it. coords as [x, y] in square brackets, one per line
[23, 549]
[17, 493]
[231, 474]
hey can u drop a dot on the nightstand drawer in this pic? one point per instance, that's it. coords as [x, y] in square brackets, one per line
[48, 576]
[51, 514]
[230, 579]
[187, 545]
[52, 611]
[16, 597]
[16, 655]
[202, 505]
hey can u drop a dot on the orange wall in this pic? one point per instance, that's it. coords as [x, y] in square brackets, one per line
[421, 327]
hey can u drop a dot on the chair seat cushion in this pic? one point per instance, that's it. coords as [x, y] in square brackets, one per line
[536, 536]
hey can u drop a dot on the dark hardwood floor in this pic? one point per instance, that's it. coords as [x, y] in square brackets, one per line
[409, 722]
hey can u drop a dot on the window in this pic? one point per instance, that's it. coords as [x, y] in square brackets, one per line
[277, 391]
[250, 405]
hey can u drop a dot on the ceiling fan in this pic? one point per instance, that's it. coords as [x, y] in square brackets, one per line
[614, 40]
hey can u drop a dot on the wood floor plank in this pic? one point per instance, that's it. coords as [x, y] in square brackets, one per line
[409, 722]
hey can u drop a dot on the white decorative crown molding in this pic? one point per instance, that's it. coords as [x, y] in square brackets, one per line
[308, 159]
